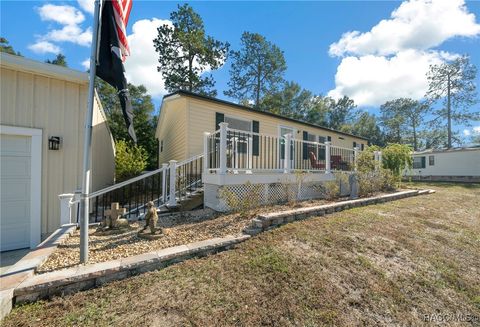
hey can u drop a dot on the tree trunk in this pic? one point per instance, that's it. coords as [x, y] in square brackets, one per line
[190, 64]
[449, 115]
[257, 95]
[415, 148]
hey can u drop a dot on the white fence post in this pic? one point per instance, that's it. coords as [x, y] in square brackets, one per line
[379, 159]
[172, 201]
[327, 157]
[250, 152]
[65, 208]
[205, 152]
[164, 182]
[223, 148]
[355, 155]
[288, 154]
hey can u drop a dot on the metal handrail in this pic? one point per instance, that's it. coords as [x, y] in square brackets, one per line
[127, 182]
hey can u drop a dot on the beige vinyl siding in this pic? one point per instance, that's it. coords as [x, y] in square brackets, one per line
[37, 100]
[172, 130]
[201, 118]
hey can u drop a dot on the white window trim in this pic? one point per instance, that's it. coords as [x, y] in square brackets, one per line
[36, 178]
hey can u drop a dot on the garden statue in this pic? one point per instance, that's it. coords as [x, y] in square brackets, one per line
[151, 218]
[112, 223]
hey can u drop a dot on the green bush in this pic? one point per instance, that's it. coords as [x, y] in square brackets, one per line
[370, 182]
[397, 157]
[130, 160]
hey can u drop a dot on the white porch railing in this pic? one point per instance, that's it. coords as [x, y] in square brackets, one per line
[164, 186]
[233, 151]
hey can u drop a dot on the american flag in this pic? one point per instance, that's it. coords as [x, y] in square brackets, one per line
[112, 52]
[121, 10]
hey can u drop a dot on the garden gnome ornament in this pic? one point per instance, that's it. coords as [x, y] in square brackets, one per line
[151, 217]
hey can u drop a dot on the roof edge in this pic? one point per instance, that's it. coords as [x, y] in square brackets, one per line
[225, 102]
[41, 68]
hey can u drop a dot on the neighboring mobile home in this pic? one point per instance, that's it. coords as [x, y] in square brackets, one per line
[40, 105]
[185, 116]
[456, 164]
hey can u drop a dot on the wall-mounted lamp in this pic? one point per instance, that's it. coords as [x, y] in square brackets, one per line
[54, 143]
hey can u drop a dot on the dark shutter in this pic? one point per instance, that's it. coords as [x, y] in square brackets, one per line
[423, 162]
[362, 147]
[219, 118]
[255, 141]
[354, 144]
[329, 138]
[305, 146]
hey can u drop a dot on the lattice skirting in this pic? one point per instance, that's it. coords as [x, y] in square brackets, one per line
[222, 198]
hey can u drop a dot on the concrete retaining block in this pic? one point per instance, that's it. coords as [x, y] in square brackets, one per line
[80, 278]
[274, 219]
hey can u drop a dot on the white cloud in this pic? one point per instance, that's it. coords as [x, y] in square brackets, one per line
[476, 130]
[86, 64]
[44, 47]
[70, 18]
[141, 66]
[466, 132]
[415, 24]
[70, 33]
[373, 80]
[65, 15]
[87, 5]
[391, 60]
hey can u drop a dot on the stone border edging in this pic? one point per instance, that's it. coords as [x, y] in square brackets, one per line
[26, 267]
[88, 276]
[271, 220]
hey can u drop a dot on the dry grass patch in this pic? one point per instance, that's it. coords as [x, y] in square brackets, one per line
[387, 264]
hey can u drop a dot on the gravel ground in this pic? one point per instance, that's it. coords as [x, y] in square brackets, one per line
[111, 247]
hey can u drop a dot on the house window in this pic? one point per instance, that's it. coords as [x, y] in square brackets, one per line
[418, 162]
[161, 146]
[431, 160]
[238, 123]
[240, 140]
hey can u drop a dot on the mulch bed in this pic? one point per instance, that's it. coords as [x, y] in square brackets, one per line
[111, 247]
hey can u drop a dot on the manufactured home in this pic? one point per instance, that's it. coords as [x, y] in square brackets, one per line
[42, 117]
[185, 116]
[455, 164]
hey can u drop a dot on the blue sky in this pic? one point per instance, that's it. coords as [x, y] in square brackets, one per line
[385, 59]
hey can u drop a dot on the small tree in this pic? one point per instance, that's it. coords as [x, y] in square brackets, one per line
[454, 82]
[397, 157]
[185, 53]
[59, 60]
[257, 69]
[7, 48]
[130, 160]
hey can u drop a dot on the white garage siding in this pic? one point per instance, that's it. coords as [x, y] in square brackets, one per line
[20, 179]
[53, 99]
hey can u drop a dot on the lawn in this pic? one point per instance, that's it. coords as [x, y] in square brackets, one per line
[388, 264]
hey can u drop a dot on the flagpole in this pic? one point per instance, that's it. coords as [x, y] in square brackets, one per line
[87, 142]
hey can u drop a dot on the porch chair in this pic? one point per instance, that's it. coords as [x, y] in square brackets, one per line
[316, 164]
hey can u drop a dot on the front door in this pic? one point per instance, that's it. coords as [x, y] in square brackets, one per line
[282, 132]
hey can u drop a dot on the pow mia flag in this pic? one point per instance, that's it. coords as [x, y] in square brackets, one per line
[112, 52]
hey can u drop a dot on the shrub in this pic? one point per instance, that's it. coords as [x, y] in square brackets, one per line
[130, 160]
[396, 158]
[370, 182]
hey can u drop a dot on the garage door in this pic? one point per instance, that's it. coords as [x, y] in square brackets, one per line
[15, 157]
